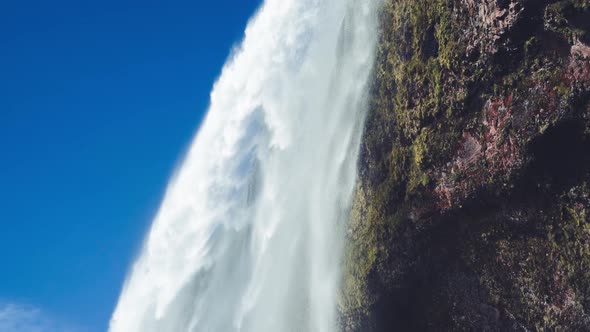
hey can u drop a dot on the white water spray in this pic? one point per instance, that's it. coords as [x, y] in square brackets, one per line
[249, 235]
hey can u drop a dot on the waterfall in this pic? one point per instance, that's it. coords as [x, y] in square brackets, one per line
[250, 232]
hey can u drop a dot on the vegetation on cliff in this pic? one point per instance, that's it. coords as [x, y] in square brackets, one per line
[472, 209]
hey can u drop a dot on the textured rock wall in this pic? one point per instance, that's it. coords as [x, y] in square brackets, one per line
[473, 204]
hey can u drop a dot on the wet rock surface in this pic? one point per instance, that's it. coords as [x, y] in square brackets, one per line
[472, 210]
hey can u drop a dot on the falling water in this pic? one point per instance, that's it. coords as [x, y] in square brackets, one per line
[249, 236]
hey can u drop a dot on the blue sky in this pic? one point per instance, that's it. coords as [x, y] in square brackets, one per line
[98, 102]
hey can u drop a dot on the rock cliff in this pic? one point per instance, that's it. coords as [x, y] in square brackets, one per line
[472, 209]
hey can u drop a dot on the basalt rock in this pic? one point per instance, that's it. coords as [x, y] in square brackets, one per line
[472, 209]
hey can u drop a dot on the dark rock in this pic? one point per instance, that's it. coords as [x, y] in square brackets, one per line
[472, 210]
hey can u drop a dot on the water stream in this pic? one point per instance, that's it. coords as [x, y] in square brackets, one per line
[250, 232]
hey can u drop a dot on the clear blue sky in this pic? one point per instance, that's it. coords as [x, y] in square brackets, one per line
[98, 102]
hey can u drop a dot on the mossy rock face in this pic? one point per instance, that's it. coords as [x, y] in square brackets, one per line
[472, 209]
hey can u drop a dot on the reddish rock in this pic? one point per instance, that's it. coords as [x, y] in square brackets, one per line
[579, 65]
[489, 21]
[493, 153]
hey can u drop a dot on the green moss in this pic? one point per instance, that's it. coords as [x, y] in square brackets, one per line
[415, 91]
[572, 242]
[557, 14]
[361, 253]
[420, 148]
[416, 88]
[417, 61]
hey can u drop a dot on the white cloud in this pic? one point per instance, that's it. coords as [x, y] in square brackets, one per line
[24, 318]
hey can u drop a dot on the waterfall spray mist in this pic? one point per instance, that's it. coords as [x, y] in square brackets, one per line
[249, 235]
